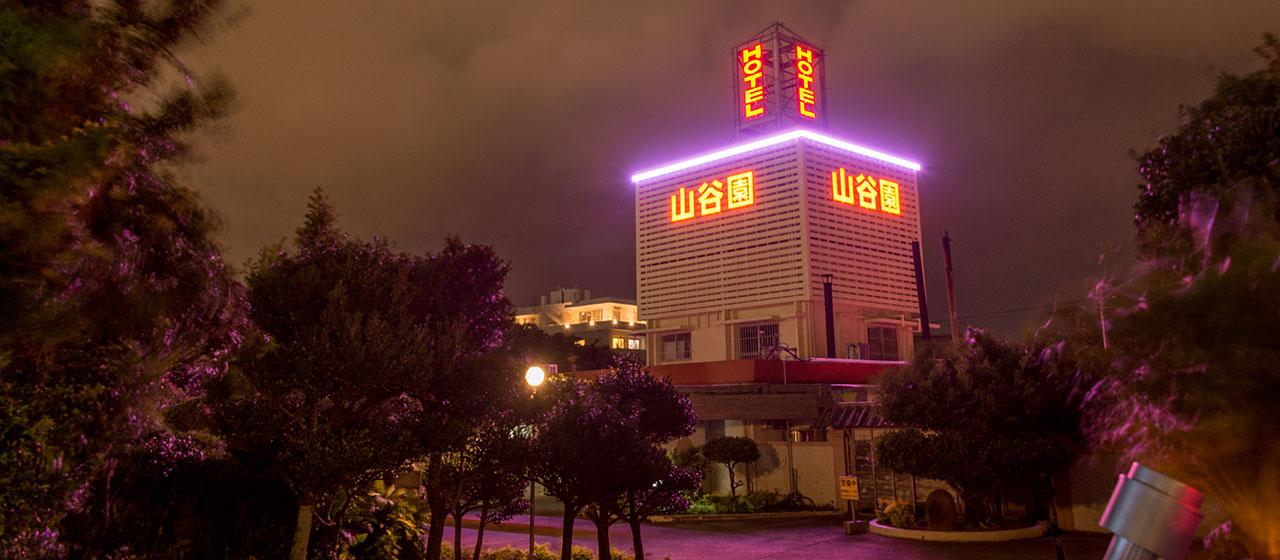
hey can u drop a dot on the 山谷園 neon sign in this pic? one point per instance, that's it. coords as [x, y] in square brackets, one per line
[714, 197]
[865, 191]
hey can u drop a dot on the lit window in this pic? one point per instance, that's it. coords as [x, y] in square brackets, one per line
[755, 341]
[883, 343]
[675, 347]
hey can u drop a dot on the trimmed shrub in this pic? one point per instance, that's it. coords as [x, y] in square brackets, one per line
[897, 514]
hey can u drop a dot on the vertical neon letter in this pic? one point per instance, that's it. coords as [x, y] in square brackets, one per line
[753, 76]
[842, 187]
[804, 82]
[866, 191]
[889, 197]
[742, 190]
[709, 197]
[686, 206]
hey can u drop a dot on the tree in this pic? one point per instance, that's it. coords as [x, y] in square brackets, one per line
[660, 487]
[647, 482]
[1193, 369]
[489, 475]
[978, 413]
[575, 420]
[368, 360]
[731, 451]
[1228, 138]
[115, 298]
[622, 418]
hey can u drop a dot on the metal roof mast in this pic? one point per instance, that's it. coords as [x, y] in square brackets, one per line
[779, 83]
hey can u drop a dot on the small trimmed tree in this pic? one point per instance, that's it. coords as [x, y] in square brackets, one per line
[731, 451]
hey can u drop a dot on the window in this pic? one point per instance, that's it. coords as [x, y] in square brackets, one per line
[755, 341]
[586, 316]
[627, 343]
[617, 313]
[675, 347]
[883, 343]
[814, 434]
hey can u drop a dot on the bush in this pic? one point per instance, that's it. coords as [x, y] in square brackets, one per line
[761, 500]
[896, 514]
[702, 505]
[756, 501]
[540, 552]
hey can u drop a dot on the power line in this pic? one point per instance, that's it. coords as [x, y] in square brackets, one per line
[1020, 309]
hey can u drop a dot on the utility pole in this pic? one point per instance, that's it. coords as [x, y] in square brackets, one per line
[924, 307]
[951, 288]
[829, 307]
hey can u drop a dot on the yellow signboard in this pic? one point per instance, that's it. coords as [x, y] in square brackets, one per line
[848, 487]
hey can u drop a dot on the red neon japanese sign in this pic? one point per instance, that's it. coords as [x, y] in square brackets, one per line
[752, 62]
[713, 197]
[865, 191]
[805, 97]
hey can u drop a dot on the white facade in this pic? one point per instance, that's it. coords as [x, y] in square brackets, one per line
[608, 321]
[727, 283]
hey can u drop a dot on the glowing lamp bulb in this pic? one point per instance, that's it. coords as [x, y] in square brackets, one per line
[534, 376]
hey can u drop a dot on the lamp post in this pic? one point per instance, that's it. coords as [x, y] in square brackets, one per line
[534, 377]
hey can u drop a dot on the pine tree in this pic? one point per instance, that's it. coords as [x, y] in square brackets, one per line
[115, 298]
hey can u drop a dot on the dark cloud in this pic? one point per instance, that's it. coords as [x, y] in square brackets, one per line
[517, 123]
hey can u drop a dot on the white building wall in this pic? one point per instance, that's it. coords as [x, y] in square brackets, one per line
[731, 265]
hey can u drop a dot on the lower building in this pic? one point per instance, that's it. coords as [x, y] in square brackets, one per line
[608, 321]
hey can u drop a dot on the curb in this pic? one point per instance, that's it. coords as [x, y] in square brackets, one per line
[999, 535]
[741, 516]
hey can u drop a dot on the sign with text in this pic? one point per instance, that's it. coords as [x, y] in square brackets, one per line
[864, 191]
[778, 79]
[713, 197]
[806, 100]
[848, 487]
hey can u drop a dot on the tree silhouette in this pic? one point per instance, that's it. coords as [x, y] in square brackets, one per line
[368, 359]
[978, 413]
[731, 451]
[115, 298]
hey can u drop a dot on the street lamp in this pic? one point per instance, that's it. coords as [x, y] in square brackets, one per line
[534, 377]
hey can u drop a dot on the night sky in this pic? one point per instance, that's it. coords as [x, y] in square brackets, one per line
[518, 124]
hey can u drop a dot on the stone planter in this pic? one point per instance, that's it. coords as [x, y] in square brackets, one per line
[997, 535]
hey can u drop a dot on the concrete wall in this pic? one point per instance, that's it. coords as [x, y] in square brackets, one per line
[816, 471]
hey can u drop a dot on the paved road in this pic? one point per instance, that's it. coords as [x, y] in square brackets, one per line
[783, 539]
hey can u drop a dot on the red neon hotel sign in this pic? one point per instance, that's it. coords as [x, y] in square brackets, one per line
[865, 191]
[714, 197]
[753, 75]
[805, 97]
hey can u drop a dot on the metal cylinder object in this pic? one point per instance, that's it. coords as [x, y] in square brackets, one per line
[1152, 516]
